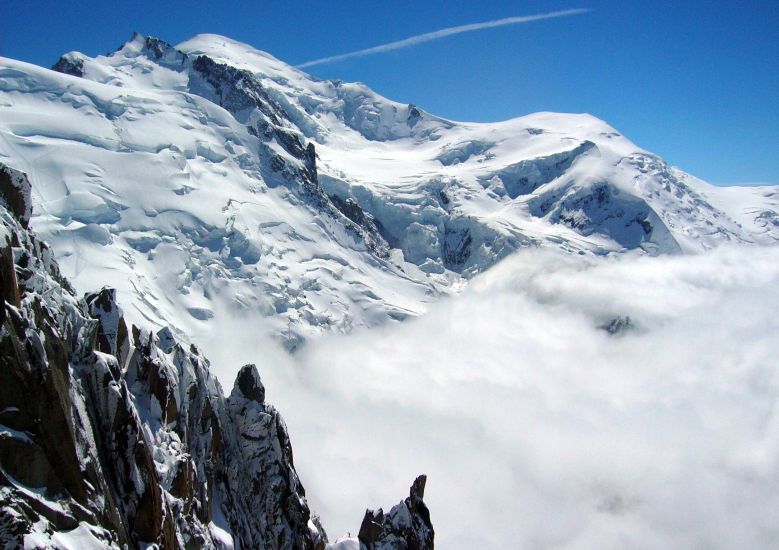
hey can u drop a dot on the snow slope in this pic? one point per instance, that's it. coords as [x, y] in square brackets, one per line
[211, 182]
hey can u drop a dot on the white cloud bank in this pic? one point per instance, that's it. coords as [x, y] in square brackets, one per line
[537, 428]
[443, 33]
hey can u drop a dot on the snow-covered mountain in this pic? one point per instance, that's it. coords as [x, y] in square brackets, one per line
[210, 181]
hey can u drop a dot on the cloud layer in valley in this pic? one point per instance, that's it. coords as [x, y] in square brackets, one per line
[537, 426]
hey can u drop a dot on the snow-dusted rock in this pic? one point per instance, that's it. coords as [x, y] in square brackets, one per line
[123, 438]
[261, 474]
[406, 526]
[15, 194]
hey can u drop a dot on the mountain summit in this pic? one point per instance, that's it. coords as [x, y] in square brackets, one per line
[211, 180]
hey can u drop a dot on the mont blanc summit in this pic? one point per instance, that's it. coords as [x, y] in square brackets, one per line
[210, 179]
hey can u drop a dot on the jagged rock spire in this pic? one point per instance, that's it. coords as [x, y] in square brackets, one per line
[15, 192]
[406, 526]
[249, 385]
[146, 454]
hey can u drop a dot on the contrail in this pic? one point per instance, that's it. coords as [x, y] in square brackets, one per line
[435, 35]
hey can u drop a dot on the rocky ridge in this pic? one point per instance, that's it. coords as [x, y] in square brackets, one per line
[116, 437]
[406, 525]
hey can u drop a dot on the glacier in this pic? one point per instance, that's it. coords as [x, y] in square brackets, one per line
[211, 180]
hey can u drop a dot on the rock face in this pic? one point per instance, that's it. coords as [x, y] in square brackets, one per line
[124, 438]
[406, 525]
[15, 194]
[262, 476]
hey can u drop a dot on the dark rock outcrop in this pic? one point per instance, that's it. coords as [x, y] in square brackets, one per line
[111, 334]
[457, 249]
[406, 526]
[619, 325]
[130, 439]
[414, 115]
[364, 223]
[162, 52]
[261, 475]
[70, 64]
[15, 194]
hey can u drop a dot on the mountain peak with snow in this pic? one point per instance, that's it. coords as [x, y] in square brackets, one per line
[216, 182]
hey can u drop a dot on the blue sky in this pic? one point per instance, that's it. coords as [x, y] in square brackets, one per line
[696, 82]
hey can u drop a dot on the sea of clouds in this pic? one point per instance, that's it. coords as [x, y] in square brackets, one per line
[536, 426]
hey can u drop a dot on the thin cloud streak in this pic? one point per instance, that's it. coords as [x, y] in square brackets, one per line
[443, 33]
